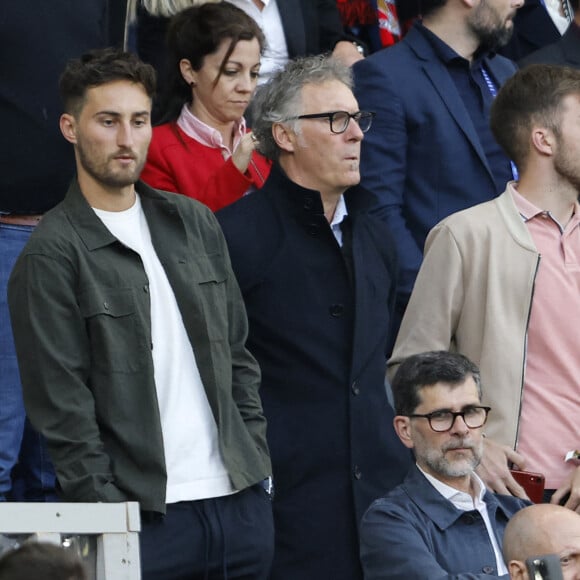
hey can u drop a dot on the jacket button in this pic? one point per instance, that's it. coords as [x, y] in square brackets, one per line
[146, 289]
[336, 310]
[106, 305]
[488, 570]
[313, 229]
[357, 472]
[355, 389]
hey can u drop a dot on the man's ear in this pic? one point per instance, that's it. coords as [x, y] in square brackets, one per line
[284, 136]
[68, 127]
[543, 140]
[517, 570]
[402, 427]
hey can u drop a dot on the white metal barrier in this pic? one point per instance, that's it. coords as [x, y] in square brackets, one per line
[112, 527]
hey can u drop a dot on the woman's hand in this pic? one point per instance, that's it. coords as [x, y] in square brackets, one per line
[243, 153]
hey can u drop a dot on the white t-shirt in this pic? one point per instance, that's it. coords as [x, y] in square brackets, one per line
[195, 468]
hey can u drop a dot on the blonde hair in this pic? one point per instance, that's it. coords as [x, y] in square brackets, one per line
[171, 7]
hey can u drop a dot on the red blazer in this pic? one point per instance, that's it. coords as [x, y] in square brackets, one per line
[178, 163]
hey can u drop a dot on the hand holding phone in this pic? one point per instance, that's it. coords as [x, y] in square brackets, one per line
[533, 484]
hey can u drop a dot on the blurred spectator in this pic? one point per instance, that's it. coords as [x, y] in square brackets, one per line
[431, 151]
[565, 51]
[299, 28]
[538, 23]
[36, 165]
[39, 560]
[543, 529]
[377, 23]
[204, 151]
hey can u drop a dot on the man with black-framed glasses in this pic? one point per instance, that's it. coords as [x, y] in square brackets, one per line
[318, 276]
[440, 522]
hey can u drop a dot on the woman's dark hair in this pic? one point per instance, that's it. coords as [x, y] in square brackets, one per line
[195, 33]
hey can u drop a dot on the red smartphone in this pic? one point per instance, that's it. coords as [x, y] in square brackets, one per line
[533, 483]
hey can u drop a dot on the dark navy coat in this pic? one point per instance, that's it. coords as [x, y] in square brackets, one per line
[564, 52]
[320, 339]
[533, 29]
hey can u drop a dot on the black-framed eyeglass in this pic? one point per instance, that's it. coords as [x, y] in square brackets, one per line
[339, 120]
[441, 421]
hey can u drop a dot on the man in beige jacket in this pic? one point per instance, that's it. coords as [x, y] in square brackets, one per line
[500, 283]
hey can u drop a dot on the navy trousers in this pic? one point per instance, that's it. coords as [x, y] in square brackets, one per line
[226, 538]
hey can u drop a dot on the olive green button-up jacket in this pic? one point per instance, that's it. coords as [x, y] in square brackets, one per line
[79, 303]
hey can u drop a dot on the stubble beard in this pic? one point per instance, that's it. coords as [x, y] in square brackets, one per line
[491, 31]
[104, 174]
[567, 167]
[437, 461]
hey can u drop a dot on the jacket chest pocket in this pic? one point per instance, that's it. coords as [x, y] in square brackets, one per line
[117, 341]
[211, 278]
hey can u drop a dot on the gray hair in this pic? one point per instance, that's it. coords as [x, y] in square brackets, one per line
[281, 98]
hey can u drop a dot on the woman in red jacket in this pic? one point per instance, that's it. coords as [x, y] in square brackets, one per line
[204, 150]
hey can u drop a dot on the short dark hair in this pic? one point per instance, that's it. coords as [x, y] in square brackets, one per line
[429, 6]
[36, 560]
[100, 67]
[426, 370]
[196, 32]
[533, 95]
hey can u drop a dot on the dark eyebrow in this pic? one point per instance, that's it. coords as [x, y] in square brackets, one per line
[238, 63]
[464, 408]
[116, 114]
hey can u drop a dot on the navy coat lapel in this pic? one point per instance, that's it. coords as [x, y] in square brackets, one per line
[445, 87]
[570, 45]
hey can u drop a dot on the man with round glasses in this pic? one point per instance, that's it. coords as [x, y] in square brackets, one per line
[440, 522]
[318, 273]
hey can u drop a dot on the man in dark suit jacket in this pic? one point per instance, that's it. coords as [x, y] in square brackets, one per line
[565, 52]
[318, 274]
[430, 152]
[533, 29]
[309, 26]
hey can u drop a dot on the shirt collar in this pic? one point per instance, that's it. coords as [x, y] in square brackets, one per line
[441, 48]
[529, 211]
[339, 213]
[461, 500]
[205, 134]
[446, 53]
